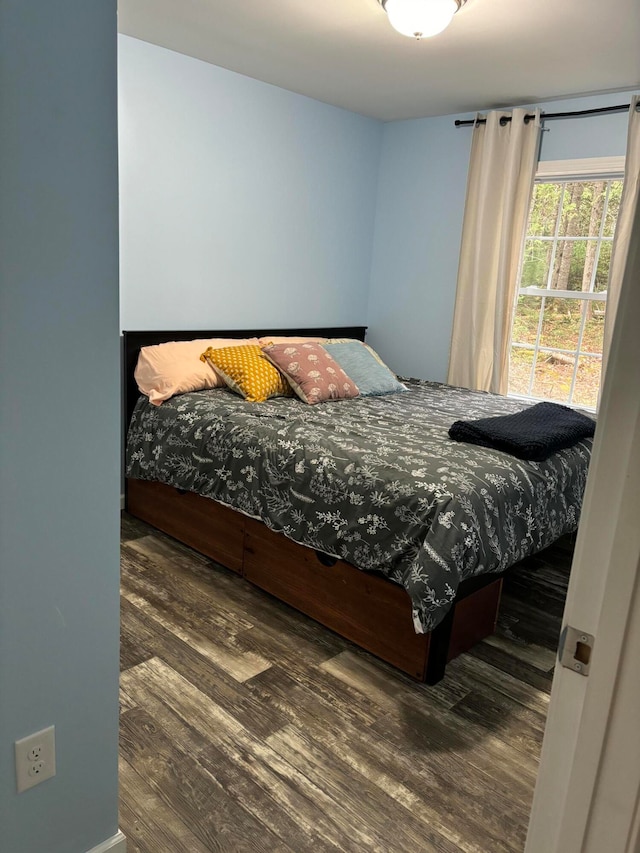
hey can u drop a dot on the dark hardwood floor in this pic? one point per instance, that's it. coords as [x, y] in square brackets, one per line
[245, 726]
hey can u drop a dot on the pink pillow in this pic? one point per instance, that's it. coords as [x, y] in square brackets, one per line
[311, 372]
[175, 368]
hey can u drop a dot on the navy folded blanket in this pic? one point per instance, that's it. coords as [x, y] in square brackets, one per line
[535, 433]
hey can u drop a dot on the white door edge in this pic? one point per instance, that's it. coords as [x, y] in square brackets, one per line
[581, 801]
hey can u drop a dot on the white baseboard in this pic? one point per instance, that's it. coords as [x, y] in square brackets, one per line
[116, 844]
[121, 507]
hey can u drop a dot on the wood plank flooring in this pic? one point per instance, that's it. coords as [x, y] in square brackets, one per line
[245, 726]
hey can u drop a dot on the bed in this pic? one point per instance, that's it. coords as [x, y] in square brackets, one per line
[361, 513]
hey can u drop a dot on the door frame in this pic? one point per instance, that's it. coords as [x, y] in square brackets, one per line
[588, 788]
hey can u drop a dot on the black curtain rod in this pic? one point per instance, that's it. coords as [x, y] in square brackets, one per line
[544, 116]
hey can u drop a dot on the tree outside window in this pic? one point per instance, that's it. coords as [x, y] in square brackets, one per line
[558, 323]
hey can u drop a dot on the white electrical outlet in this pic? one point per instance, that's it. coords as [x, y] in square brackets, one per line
[35, 758]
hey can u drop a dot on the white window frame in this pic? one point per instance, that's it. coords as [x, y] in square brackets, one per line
[566, 171]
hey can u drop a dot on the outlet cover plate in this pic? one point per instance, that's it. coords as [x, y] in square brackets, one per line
[35, 758]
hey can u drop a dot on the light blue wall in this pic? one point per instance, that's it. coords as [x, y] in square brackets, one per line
[595, 136]
[59, 413]
[420, 207]
[423, 175]
[241, 204]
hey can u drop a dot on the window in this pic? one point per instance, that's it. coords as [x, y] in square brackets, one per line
[558, 323]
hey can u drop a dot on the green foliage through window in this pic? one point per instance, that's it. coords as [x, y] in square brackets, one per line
[556, 351]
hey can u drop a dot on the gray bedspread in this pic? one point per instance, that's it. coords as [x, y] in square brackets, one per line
[375, 481]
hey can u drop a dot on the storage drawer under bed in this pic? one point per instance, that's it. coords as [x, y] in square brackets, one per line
[361, 606]
[209, 527]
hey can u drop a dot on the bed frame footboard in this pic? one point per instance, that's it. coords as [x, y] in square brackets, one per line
[363, 607]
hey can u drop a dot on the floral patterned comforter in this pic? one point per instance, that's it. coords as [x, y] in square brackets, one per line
[375, 481]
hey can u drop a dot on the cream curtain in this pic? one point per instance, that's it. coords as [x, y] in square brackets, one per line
[630, 191]
[501, 172]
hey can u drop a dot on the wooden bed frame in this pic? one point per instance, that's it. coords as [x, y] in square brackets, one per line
[363, 607]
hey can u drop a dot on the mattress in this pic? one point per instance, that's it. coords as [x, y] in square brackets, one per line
[375, 481]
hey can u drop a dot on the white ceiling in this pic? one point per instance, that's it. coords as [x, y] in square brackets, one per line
[344, 52]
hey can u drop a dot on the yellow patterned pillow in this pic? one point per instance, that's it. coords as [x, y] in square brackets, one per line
[247, 372]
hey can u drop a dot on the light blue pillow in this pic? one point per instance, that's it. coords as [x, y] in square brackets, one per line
[372, 377]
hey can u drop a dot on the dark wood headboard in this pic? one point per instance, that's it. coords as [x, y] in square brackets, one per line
[133, 341]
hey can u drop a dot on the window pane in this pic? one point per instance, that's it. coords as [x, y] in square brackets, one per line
[544, 210]
[520, 366]
[587, 381]
[535, 263]
[593, 195]
[582, 207]
[525, 323]
[602, 272]
[552, 377]
[561, 323]
[574, 265]
[594, 327]
[568, 247]
[612, 208]
[569, 221]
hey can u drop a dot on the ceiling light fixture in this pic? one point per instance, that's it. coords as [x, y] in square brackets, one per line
[420, 18]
